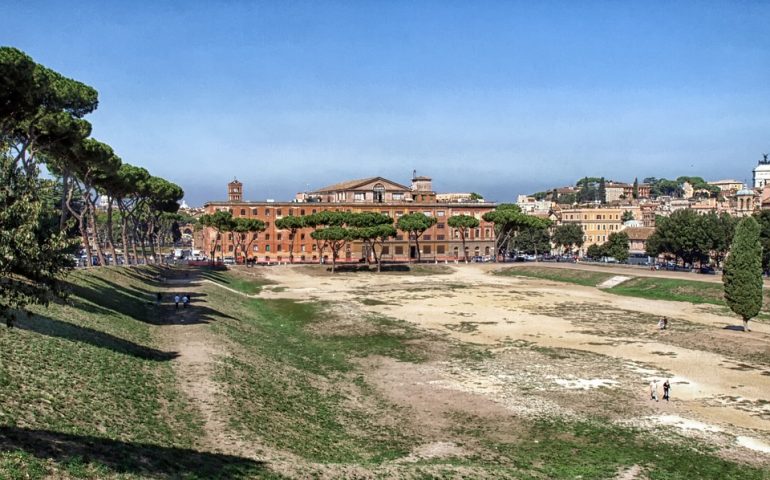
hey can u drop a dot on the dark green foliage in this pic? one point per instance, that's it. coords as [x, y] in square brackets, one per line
[692, 237]
[509, 220]
[33, 253]
[601, 191]
[742, 275]
[635, 191]
[595, 251]
[463, 224]
[532, 240]
[414, 225]
[627, 216]
[763, 217]
[568, 235]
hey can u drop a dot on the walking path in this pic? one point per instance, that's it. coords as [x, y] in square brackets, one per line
[199, 351]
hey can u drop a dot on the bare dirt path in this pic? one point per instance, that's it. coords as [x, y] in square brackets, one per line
[188, 334]
[712, 391]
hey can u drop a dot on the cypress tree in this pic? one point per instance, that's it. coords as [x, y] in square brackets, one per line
[635, 191]
[742, 275]
[602, 191]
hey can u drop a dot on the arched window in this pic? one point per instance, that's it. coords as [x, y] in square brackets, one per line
[379, 193]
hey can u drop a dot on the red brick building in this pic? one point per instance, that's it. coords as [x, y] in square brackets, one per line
[375, 194]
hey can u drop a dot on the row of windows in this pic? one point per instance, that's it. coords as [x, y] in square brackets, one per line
[301, 211]
[603, 216]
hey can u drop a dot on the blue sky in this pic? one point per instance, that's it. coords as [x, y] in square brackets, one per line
[496, 97]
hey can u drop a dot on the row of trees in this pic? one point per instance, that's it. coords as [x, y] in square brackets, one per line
[332, 230]
[42, 217]
[692, 237]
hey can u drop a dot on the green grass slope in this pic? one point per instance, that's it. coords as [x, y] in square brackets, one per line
[86, 393]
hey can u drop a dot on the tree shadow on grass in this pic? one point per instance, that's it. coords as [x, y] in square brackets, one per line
[56, 328]
[104, 297]
[142, 459]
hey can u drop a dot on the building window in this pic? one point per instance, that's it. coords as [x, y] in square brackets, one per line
[301, 211]
[359, 196]
[278, 236]
[440, 249]
[267, 212]
[255, 248]
[267, 236]
[267, 248]
[301, 236]
[427, 237]
[279, 247]
[426, 249]
[399, 250]
[301, 248]
[398, 196]
[243, 212]
[378, 193]
[314, 248]
[254, 211]
[440, 226]
[385, 250]
[439, 237]
[278, 212]
[440, 213]
[230, 248]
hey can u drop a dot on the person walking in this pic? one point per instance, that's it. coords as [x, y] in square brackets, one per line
[666, 390]
[159, 298]
[176, 302]
[185, 301]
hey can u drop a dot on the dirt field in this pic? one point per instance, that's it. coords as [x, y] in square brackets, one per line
[561, 348]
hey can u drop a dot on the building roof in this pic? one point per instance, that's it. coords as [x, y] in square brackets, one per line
[350, 184]
[639, 233]
[724, 182]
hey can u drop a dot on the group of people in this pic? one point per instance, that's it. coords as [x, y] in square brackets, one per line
[654, 390]
[183, 299]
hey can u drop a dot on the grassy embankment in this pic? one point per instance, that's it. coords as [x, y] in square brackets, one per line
[87, 393]
[652, 288]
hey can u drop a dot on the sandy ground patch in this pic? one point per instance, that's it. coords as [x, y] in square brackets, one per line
[613, 349]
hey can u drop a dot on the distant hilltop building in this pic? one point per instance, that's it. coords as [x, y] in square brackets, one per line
[762, 172]
[729, 185]
[373, 194]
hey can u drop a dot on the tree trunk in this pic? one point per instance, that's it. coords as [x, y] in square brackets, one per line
[417, 247]
[124, 236]
[63, 204]
[91, 209]
[86, 241]
[409, 246]
[746, 325]
[110, 242]
[465, 252]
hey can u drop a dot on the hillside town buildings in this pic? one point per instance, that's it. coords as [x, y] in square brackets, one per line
[374, 194]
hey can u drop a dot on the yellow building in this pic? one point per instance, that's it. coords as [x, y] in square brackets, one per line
[598, 223]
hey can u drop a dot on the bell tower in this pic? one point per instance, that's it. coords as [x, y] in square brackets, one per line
[235, 191]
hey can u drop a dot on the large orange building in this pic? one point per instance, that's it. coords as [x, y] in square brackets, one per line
[375, 194]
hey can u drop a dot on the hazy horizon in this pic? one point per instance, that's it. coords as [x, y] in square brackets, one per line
[501, 98]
